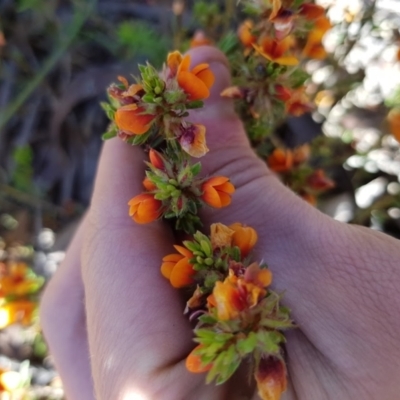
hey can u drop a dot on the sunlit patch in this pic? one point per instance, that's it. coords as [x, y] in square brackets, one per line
[136, 395]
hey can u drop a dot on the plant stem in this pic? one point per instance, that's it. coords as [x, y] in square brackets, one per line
[81, 14]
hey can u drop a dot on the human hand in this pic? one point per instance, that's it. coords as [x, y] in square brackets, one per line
[341, 284]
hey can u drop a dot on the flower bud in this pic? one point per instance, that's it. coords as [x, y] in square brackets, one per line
[271, 378]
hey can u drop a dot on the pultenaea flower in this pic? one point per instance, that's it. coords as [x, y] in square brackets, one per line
[195, 82]
[235, 295]
[156, 159]
[314, 48]
[245, 33]
[194, 364]
[244, 237]
[276, 6]
[298, 104]
[16, 281]
[283, 23]
[311, 11]
[144, 208]
[217, 191]
[301, 154]
[280, 160]
[394, 123]
[221, 236]
[193, 140]
[271, 378]
[282, 93]
[16, 311]
[148, 184]
[177, 268]
[234, 92]
[133, 120]
[276, 50]
[319, 181]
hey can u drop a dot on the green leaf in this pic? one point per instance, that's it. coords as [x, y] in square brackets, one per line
[196, 168]
[109, 135]
[195, 104]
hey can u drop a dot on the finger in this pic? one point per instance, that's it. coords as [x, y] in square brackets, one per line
[135, 321]
[63, 320]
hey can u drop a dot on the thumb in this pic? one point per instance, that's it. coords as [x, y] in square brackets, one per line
[280, 217]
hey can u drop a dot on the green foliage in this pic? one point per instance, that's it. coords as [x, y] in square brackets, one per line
[36, 5]
[207, 13]
[139, 39]
[394, 100]
[22, 177]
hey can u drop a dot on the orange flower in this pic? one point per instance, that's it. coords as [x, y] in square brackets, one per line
[311, 11]
[394, 123]
[221, 236]
[156, 159]
[271, 378]
[177, 268]
[234, 92]
[319, 181]
[200, 39]
[314, 48]
[196, 82]
[280, 160]
[235, 295]
[282, 93]
[148, 184]
[245, 35]
[144, 208]
[298, 104]
[132, 119]
[283, 23]
[261, 277]
[276, 6]
[174, 59]
[16, 311]
[194, 364]
[301, 154]
[217, 192]
[276, 51]
[16, 281]
[244, 237]
[193, 140]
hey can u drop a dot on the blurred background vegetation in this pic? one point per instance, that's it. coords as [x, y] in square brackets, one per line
[56, 60]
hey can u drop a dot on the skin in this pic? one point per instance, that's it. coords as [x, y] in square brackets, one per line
[115, 326]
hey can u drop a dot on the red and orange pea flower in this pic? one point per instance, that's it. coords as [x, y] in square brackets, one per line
[314, 48]
[311, 11]
[244, 237]
[133, 119]
[319, 181]
[277, 50]
[394, 123]
[144, 208]
[149, 185]
[18, 311]
[193, 362]
[193, 140]
[237, 294]
[299, 103]
[271, 378]
[281, 160]
[301, 154]
[245, 33]
[217, 192]
[195, 82]
[177, 268]
[156, 159]
[15, 281]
